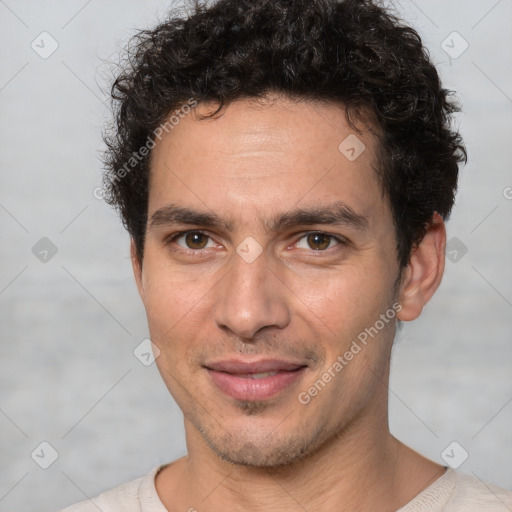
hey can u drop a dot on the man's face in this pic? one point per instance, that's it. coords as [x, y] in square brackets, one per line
[262, 292]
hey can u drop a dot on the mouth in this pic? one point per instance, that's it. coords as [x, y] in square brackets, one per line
[257, 380]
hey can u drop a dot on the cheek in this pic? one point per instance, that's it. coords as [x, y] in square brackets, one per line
[179, 312]
[169, 301]
[167, 284]
[344, 310]
[343, 298]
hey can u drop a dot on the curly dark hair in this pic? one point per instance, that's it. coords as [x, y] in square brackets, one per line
[352, 52]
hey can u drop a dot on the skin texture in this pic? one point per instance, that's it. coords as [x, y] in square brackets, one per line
[301, 299]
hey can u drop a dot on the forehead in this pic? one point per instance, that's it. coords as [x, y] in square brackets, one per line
[262, 156]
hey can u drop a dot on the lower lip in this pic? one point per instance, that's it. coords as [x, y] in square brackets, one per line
[242, 388]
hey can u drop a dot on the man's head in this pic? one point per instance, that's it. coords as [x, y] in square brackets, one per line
[289, 217]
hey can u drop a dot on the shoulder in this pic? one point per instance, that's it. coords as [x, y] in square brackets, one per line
[475, 494]
[458, 492]
[134, 496]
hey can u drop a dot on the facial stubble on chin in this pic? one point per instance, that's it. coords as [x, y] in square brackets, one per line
[252, 455]
[251, 408]
[292, 450]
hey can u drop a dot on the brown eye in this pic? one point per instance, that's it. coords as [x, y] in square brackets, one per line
[195, 240]
[190, 243]
[318, 241]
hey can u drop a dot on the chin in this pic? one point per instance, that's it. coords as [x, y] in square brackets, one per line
[265, 451]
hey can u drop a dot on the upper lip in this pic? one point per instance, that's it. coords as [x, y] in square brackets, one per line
[237, 366]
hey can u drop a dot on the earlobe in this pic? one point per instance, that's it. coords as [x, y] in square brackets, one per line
[137, 268]
[423, 275]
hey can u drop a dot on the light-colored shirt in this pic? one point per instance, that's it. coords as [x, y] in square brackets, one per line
[452, 492]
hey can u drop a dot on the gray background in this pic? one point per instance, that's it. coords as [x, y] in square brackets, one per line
[69, 325]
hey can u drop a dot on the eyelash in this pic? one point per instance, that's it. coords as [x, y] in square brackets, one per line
[172, 238]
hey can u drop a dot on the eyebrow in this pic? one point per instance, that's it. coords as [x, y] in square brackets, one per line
[173, 214]
[336, 214]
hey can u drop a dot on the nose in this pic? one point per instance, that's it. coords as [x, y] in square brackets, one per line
[250, 298]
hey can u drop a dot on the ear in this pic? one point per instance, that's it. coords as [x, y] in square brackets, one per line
[137, 268]
[423, 274]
